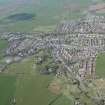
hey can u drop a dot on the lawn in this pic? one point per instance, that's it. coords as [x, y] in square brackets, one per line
[100, 65]
[32, 87]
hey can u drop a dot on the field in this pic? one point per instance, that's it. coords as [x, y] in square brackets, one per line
[31, 88]
[3, 45]
[7, 89]
[100, 65]
[47, 13]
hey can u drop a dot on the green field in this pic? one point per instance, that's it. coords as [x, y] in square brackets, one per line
[47, 13]
[62, 101]
[7, 89]
[31, 88]
[100, 65]
[3, 45]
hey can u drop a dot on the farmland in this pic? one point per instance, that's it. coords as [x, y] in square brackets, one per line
[30, 86]
[47, 13]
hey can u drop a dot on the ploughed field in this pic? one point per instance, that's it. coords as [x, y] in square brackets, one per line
[24, 84]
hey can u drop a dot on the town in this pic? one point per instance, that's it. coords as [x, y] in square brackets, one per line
[74, 44]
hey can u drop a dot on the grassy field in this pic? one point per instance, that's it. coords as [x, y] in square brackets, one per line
[47, 13]
[31, 87]
[62, 101]
[7, 82]
[3, 45]
[7, 89]
[100, 65]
